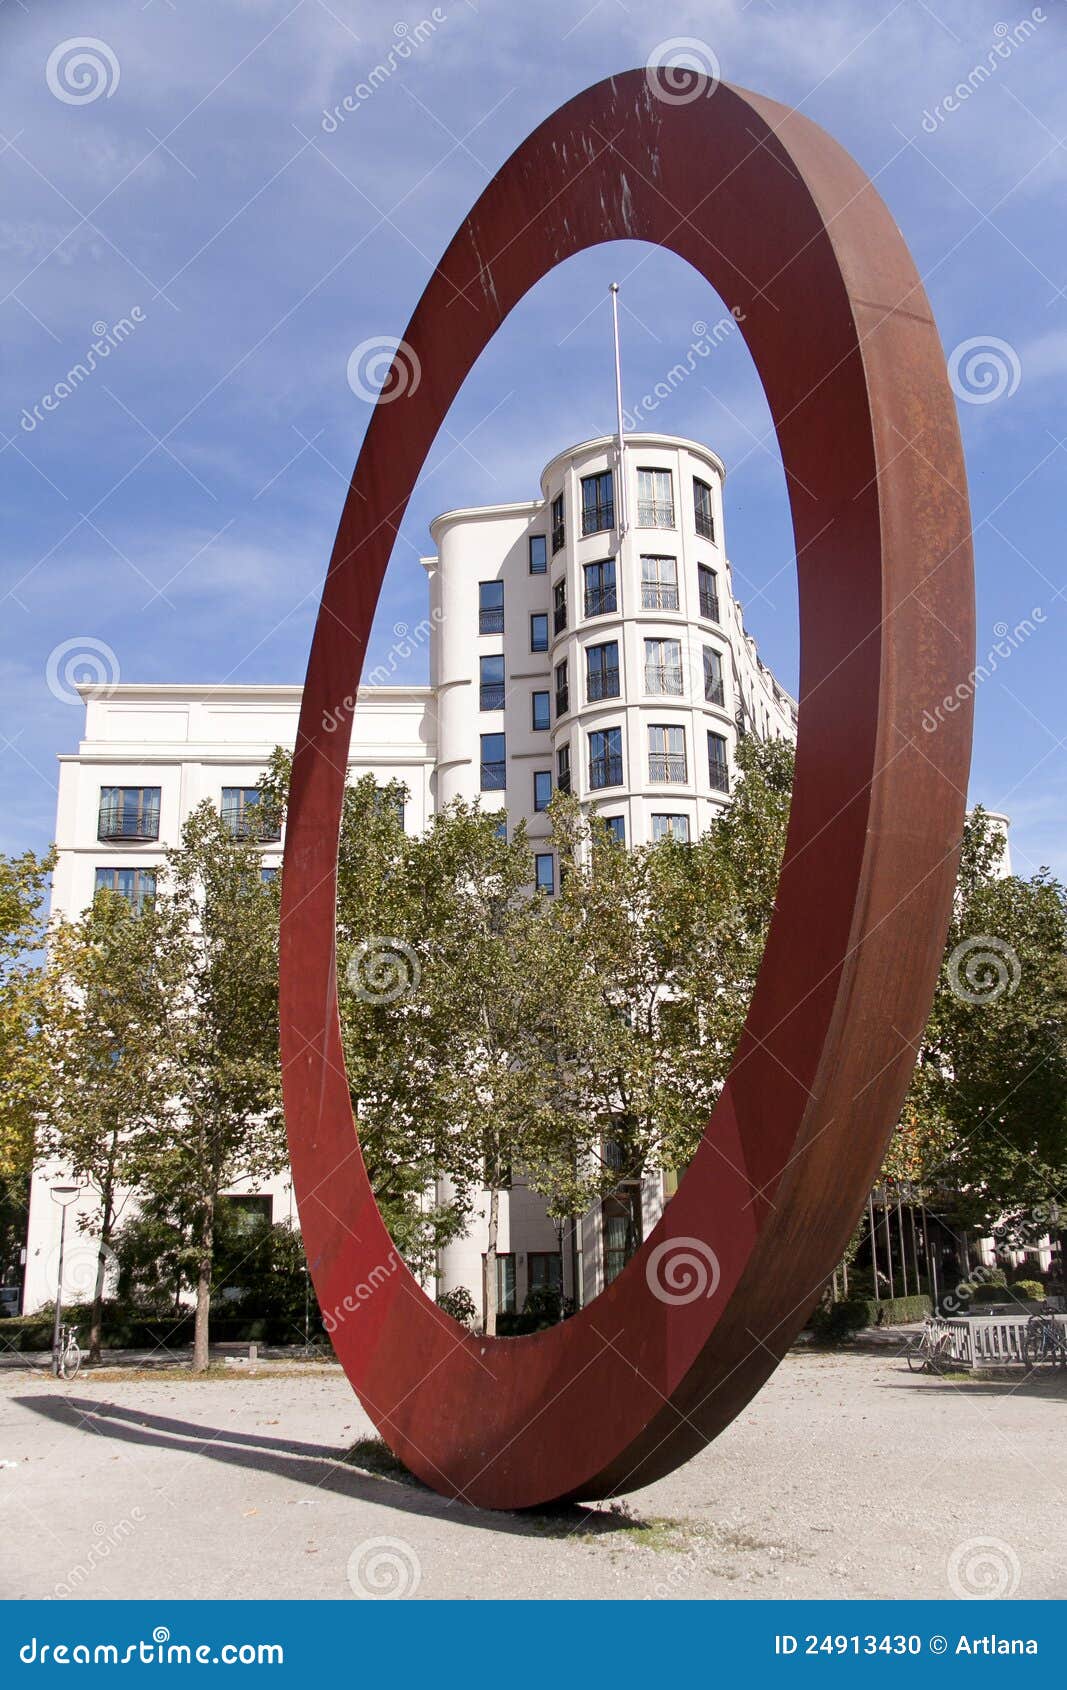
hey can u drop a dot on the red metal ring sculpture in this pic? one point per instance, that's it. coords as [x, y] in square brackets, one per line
[790, 232]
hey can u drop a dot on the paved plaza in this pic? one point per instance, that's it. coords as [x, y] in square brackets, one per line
[847, 1477]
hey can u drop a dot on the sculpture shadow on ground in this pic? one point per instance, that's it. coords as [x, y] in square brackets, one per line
[314, 1465]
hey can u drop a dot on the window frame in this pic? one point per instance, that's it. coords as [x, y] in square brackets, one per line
[704, 509]
[609, 757]
[541, 567]
[660, 513]
[497, 690]
[538, 616]
[665, 758]
[548, 887]
[605, 672]
[593, 597]
[113, 812]
[598, 513]
[558, 522]
[488, 614]
[541, 775]
[663, 669]
[485, 763]
[535, 725]
[718, 765]
[657, 592]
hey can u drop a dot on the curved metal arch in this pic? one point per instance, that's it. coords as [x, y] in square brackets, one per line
[790, 232]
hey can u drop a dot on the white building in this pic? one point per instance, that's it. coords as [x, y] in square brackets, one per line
[587, 639]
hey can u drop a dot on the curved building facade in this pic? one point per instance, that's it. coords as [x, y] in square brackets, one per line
[590, 640]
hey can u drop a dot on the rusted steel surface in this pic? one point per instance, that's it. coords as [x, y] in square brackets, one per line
[789, 231]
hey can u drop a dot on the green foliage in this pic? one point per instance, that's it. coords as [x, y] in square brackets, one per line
[1032, 1289]
[834, 1323]
[23, 1062]
[459, 1304]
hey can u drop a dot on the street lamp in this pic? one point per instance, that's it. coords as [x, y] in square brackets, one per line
[64, 1195]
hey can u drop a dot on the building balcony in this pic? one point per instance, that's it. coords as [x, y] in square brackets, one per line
[244, 822]
[663, 678]
[705, 526]
[709, 605]
[715, 693]
[596, 518]
[605, 771]
[655, 597]
[666, 768]
[654, 513]
[115, 822]
[491, 621]
[601, 601]
[604, 683]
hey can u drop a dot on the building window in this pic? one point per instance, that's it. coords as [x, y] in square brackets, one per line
[605, 757]
[563, 768]
[666, 755]
[559, 533]
[663, 666]
[541, 718]
[133, 884]
[538, 554]
[559, 606]
[491, 682]
[544, 1271]
[671, 827]
[714, 691]
[702, 509]
[659, 583]
[384, 800]
[655, 499]
[562, 689]
[505, 1282]
[501, 829]
[243, 814]
[718, 768]
[539, 631]
[622, 1229]
[542, 788]
[616, 826]
[598, 502]
[708, 591]
[602, 671]
[128, 812]
[268, 875]
[494, 763]
[490, 607]
[601, 598]
[545, 872]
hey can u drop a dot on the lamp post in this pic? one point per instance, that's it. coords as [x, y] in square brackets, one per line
[64, 1195]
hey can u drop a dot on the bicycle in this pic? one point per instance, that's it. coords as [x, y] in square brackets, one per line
[931, 1352]
[1044, 1341]
[68, 1355]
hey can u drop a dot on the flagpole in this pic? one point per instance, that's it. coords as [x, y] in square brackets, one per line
[618, 408]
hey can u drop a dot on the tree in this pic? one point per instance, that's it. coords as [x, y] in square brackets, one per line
[113, 980]
[23, 1065]
[218, 1052]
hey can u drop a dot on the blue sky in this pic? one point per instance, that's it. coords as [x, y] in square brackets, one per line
[178, 507]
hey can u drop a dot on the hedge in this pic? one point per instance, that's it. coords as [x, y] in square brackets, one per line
[835, 1322]
[30, 1332]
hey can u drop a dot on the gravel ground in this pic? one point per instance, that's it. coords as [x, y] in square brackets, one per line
[848, 1477]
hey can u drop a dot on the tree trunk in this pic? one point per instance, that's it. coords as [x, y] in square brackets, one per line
[490, 1263]
[107, 1223]
[203, 1287]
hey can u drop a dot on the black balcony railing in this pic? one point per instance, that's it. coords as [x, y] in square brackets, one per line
[563, 700]
[718, 774]
[705, 524]
[599, 516]
[494, 777]
[709, 604]
[559, 534]
[663, 678]
[491, 621]
[655, 513]
[602, 683]
[666, 766]
[563, 780]
[117, 821]
[491, 695]
[559, 618]
[606, 771]
[601, 601]
[247, 821]
[714, 691]
[657, 595]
